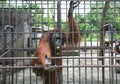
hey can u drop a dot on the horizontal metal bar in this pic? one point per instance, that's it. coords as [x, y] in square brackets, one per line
[37, 31]
[18, 58]
[97, 57]
[40, 31]
[64, 48]
[30, 58]
[63, 66]
[86, 47]
[23, 49]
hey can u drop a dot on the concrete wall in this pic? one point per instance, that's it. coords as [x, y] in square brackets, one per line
[21, 21]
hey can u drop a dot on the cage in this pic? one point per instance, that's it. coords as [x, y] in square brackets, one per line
[83, 37]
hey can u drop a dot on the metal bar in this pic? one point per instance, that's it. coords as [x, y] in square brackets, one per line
[112, 60]
[102, 37]
[6, 52]
[59, 14]
[86, 65]
[69, 66]
[12, 53]
[64, 48]
[29, 58]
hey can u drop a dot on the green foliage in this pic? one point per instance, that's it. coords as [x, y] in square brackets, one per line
[64, 26]
[90, 22]
[118, 23]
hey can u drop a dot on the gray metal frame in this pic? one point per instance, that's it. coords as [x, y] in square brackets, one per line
[84, 59]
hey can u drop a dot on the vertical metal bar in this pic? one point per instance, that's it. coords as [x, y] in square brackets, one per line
[3, 62]
[16, 21]
[85, 43]
[112, 59]
[12, 43]
[115, 15]
[12, 53]
[79, 53]
[23, 74]
[102, 49]
[59, 20]
[73, 47]
[53, 16]
[103, 73]
[91, 32]
[11, 28]
[29, 37]
[67, 47]
[97, 43]
[102, 35]
[59, 14]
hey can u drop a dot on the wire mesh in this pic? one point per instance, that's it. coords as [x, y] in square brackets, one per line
[95, 59]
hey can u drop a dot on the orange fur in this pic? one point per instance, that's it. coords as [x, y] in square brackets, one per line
[45, 47]
[74, 31]
[74, 34]
[42, 50]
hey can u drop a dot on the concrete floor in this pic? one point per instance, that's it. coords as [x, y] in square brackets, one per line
[76, 75]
